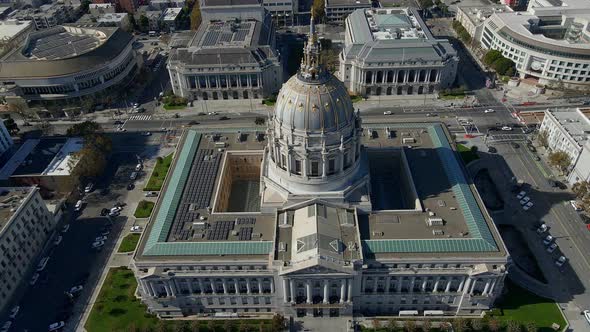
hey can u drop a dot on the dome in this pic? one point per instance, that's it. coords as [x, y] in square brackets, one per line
[314, 105]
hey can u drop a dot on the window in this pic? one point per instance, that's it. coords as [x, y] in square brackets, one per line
[297, 166]
[331, 166]
[315, 168]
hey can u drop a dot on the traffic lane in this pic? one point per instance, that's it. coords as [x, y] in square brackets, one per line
[70, 262]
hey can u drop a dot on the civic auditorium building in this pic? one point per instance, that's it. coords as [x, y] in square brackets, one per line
[392, 52]
[65, 62]
[318, 215]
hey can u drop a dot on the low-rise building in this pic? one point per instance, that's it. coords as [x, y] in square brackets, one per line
[13, 33]
[120, 20]
[97, 9]
[473, 17]
[153, 17]
[163, 4]
[25, 225]
[5, 140]
[550, 42]
[568, 130]
[225, 10]
[48, 15]
[337, 10]
[170, 19]
[235, 59]
[392, 52]
[281, 11]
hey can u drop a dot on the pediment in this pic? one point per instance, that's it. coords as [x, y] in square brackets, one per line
[316, 266]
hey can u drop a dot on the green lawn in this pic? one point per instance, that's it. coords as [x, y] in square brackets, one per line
[117, 310]
[355, 98]
[144, 209]
[159, 174]
[269, 102]
[467, 154]
[174, 107]
[523, 307]
[129, 242]
[451, 97]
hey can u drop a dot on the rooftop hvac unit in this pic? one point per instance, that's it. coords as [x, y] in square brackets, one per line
[235, 233]
[438, 232]
[377, 233]
[351, 246]
[435, 222]
[256, 235]
[282, 246]
[431, 214]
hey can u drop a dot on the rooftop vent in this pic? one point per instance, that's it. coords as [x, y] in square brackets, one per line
[438, 232]
[435, 222]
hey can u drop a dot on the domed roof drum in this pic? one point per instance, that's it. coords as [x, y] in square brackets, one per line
[314, 100]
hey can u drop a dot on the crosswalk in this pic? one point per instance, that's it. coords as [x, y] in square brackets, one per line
[140, 117]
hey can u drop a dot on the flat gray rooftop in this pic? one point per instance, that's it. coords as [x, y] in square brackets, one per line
[61, 44]
[223, 34]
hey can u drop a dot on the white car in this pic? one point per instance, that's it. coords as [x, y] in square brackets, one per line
[42, 264]
[506, 128]
[133, 176]
[34, 279]
[57, 240]
[121, 129]
[78, 205]
[89, 187]
[135, 105]
[151, 194]
[138, 167]
[560, 261]
[135, 229]
[548, 240]
[552, 247]
[542, 229]
[14, 311]
[65, 228]
[527, 206]
[587, 315]
[116, 209]
[6, 326]
[489, 110]
[97, 244]
[521, 195]
[114, 214]
[100, 238]
[387, 113]
[575, 206]
[146, 133]
[524, 200]
[75, 289]
[56, 326]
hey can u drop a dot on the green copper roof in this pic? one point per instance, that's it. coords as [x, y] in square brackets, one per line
[481, 239]
[156, 244]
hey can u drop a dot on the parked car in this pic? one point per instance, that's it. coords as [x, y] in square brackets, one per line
[506, 128]
[75, 289]
[151, 194]
[65, 228]
[97, 244]
[542, 229]
[531, 148]
[489, 110]
[100, 238]
[575, 206]
[56, 326]
[130, 186]
[560, 261]
[89, 187]
[79, 205]
[552, 247]
[527, 206]
[492, 149]
[524, 200]
[104, 212]
[6, 326]
[138, 167]
[57, 240]
[34, 279]
[387, 113]
[135, 229]
[146, 133]
[133, 176]
[116, 209]
[515, 145]
[42, 264]
[586, 314]
[14, 311]
[521, 194]
[548, 239]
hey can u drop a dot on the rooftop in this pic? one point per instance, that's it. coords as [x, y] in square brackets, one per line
[226, 34]
[112, 17]
[450, 218]
[213, 3]
[348, 3]
[11, 198]
[478, 14]
[574, 122]
[387, 24]
[11, 28]
[46, 156]
[170, 14]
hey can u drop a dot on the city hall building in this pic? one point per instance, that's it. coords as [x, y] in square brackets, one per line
[319, 214]
[392, 52]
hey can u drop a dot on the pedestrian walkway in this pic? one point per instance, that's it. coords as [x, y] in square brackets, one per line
[140, 117]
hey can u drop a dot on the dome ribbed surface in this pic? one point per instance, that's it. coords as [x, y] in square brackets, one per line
[323, 104]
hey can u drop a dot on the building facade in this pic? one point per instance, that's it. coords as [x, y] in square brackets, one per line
[234, 59]
[48, 15]
[25, 225]
[5, 139]
[89, 60]
[567, 130]
[547, 43]
[255, 222]
[473, 17]
[338, 10]
[13, 33]
[282, 11]
[225, 10]
[392, 52]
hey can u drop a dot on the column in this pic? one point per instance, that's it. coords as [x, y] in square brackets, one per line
[259, 285]
[350, 289]
[285, 290]
[342, 290]
[201, 285]
[424, 282]
[167, 288]
[292, 290]
[308, 288]
[190, 286]
[461, 284]
[487, 287]
[473, 286]
[412, 280]
[400, 280]
[406, 76]
[375, 285]
[224, 286]
[374, 77]
[213, 290]
[493, 286]
[387, 282]
[448, 287]
[249, 289]
[272, 286]
[427, 77]
[172, 287]
[326, 288]
[152, 288]
[236, 286]
[144, 287]
[435, 290]
[465, 288]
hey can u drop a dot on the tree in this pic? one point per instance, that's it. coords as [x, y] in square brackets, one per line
[376, 324]
[391, 325]
[318, 10]
[84, 5]
[46, 128]
[426, 325]
[510, 72]
[11, 126]
[560, 160]
[84, 129]
[185, 327]
[259, 121]
[543, 138]
[132, 22]
[531, 327]
[425, 3]
[278, 322]
[144, 23]
[195, 16]
[493, 325]
[502, 65]
[459, 324]
[409, 326]
[512, 326]
[491, 56]
[476, 324]
[87, 104]
[21, 108]
[195, 326]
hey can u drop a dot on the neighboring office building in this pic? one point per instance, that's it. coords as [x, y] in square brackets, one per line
[170, 19]
[568, 131]
[392, 52]
[337, 10]
[548, 43]
[97, 9]
[120, 20]
[5, 140]
[47, 16]
[225, 10]
[281, 11]
[473, 17]
[314, 218]
[13, 33]
[235, 59]
[25, 225]
[68, 62]
[163, 4]
[154, 17]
